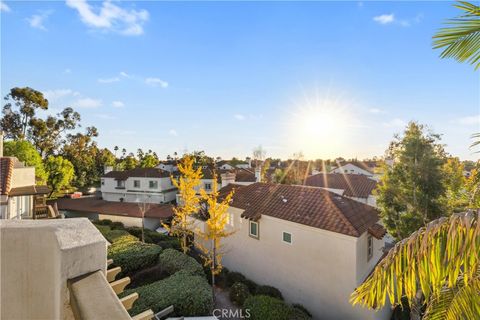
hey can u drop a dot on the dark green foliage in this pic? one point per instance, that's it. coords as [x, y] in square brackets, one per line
[173, 243]
[189, 294]
[151, 236]
[252, 286]
[147, 276]
[172, 261]
[132, 255]
[298, 314]
[269, 291]
[239, 293]
[302, 309]
[267, 308]
[221, 278]
[401, 311]
[113, 235]
[104, 222]
[103, 229]
[233, 277]
[117, 226]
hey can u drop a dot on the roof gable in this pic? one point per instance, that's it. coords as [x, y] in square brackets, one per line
[355, 185]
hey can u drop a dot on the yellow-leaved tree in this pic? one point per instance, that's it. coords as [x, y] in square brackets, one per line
[187, 183]
[216, 210]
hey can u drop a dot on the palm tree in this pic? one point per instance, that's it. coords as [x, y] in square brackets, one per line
[440, 262]
[461, 38]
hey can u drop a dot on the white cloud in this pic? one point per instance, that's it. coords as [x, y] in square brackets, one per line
[124, 74]
[376, 110]
[156, 82]
[54, 95]
[172, 132]
[239, 116]
[384, 18]
[395, 123]
[118, 104]
[88, 103]
[36, 21]
[110, 17]
[469, 121]
[108, 80]
[4, 7]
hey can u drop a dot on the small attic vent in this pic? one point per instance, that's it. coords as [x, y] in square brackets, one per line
[284, 200]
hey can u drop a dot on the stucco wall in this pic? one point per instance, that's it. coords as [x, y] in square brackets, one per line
[351, 169]
[318, 270]
[38, 257]
[23, 177]
[162, 194]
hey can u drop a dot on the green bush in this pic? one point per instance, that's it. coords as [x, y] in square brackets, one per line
[132, 255]
[148, 275]
[173, 261]
[221, 278]
[173, 243]
[104, 229]
[267, 308]
[117, 226]
[269, 291]
[297, 314]
[302, 308]
[189, 294]
[239, 293]
[252, 286]
[114, 235]
[233, 277]
[104, 222]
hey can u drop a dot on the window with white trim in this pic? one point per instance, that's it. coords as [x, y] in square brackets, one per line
[153, 184]
[208, 186]
[136, 183]
[369, 247]
[287, 237]
[253, 229]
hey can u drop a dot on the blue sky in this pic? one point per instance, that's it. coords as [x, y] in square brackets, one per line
[328, 79]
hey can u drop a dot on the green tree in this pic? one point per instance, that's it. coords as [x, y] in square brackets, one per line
[461, 38]
[26, 153]
[454, 181]
[411, 193]
[129, 162]
[27, 101]
[60, 173]
[440, 262]
[147, 160]
[472, 187]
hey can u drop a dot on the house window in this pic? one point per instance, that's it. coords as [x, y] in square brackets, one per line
[253, 231]
[121, 184]
[369, 248]
[287, 237]
[103, 182]
[136, 183]
[153, 184]
[208, 186]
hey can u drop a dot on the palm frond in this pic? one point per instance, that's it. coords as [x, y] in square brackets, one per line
[475, 136]
[461, 38]
[429, 260]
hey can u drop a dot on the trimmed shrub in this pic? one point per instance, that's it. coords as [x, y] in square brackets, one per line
[189, 294]
[173, 261]
[147, 276]
[104, 222]
[233, 277]
[252, 286]
[299, 312]
[117, 226]
[103, 229]
[173, 243]
[239, 293]
[132, 255]
[114, 235]
[269, 291]
[267, 308]
[302, 308]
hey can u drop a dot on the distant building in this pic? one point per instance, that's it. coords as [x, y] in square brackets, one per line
[314, 245]
[356, 167]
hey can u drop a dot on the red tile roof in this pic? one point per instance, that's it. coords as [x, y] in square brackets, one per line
[377, 230]
[310, 206]
[245, 175]
[138, 173]
[355, 185]
[6, 172]
[95, 205]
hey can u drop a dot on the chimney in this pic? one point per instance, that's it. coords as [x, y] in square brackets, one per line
[227, 178]
[258, 173]
[1, 143]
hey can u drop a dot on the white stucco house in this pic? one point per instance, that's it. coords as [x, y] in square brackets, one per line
[151, 185]
[314, 245]
[358, 187]
[354, 168]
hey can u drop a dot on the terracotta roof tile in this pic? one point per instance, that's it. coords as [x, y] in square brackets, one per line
[6, 173]
[355, 185]
[377, 230]
[95, 205]
[310, 206]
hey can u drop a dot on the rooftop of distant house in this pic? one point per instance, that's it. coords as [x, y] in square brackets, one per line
[138, 173]
[354, 185]
[368, 165]
[305, 205]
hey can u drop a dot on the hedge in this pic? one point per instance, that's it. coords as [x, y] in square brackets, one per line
[114, 235]
[233, 277]
[104, 229]
[269, 291]
[189, 294]
[147, 276]
[302, 309]
[173, 243]
[239, 293]
[117, 226]
[173, 261]
[267, 308]
[104, 222]
[298, 314]
[132, 255]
